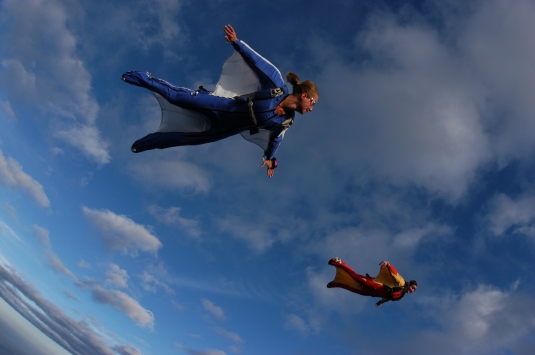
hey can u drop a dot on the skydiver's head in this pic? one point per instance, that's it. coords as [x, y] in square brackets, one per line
[410, 287]
[305, 92]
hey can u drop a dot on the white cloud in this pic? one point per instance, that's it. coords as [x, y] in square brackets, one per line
[127, 350]
[87, 139]
[516, 215]
[76, 336]
[117, 276]
[83, 264]
[6, 230]
[142, 26]
[230, 335]
[12, 175]
[121, 233]
[370, 246]
[5, 109]
[294, 322]
[125, 304]
[498, 49]
[57, 265]
[10, 211]
[417, 119]
[170, 174]
[41, 67]
[214, 310]
[234, 349]
[70, 295]
[150, 283]
[482, 321]
[428, 107]
[171, 216]
[207, 351]
[42, 235]
[257, 236]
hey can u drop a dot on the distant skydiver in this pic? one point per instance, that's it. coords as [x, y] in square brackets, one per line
[250, 98]
[389, 285]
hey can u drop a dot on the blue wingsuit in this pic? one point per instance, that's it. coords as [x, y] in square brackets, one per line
[227, 116]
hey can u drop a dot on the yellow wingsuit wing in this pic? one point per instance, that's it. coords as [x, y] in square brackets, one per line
[388, 275]
[343, 277]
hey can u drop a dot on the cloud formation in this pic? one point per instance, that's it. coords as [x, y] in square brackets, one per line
[171, 174]
[117, 276]
[12, 175]
[121, 233]
[482, 321]
[126, 350]
[76, 336]
[171, 216]
[295, 322]
[57, 265]
[41, 68]
[42, 235]
[230, 335]
[431, 107]
[507, 215]
[208, 351]
[6, 230]
[214, 310]
[149, 283]
[125, 304]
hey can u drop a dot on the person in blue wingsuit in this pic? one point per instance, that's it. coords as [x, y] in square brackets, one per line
[256, 104]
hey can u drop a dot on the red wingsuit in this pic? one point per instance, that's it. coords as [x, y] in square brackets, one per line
[388, 284]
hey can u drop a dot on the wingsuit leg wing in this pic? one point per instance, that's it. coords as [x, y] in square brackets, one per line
[346, 277]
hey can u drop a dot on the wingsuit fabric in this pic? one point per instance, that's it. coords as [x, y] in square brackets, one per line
[227, 116]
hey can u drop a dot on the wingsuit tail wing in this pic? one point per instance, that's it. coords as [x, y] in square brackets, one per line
[344, 277]
[177, 119]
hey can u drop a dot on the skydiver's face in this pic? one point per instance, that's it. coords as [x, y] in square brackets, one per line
[410, 289]
[307, 103]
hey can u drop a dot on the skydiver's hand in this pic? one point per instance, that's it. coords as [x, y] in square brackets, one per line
[270, 168]
[231, 34]
[379, 304]
[384, 263]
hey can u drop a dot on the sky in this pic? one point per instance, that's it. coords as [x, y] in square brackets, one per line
[419, 151]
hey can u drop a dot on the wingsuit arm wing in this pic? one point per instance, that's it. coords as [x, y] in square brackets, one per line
[274, 142]
[388, 275]
[269, 76]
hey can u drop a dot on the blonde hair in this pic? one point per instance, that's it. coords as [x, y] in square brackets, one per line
[298, 87]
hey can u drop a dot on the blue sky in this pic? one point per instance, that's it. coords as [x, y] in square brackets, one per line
[420, 151]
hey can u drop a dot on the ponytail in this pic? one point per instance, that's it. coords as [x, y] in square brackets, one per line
[298, 87]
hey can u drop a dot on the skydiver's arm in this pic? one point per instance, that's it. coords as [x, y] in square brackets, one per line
[269, 155]
[380, 303]
[260, 65]
[274, 142]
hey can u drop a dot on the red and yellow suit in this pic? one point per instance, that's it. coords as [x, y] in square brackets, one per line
[388, 284]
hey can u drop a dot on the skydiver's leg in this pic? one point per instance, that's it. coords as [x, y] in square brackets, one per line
[162, 140]
[177, 95]
[361, 279]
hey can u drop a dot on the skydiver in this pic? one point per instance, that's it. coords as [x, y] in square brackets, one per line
[389, 285]
[270, 108]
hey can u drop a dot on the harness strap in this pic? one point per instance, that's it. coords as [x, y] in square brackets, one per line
[253, 130]
[276, 92]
